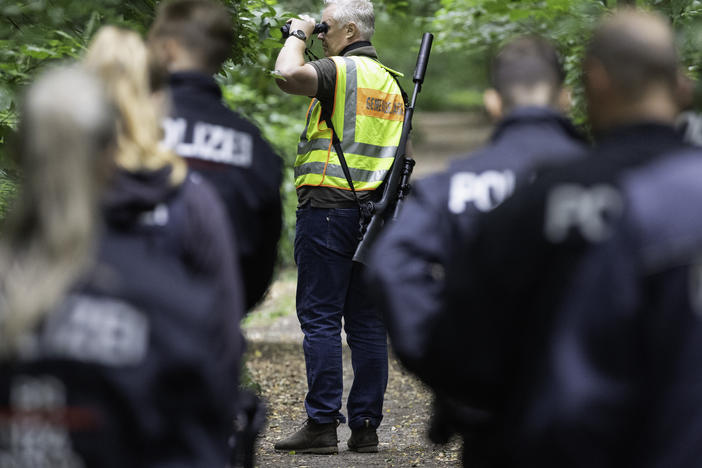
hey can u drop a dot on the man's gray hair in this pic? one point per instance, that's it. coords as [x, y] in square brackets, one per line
[359, 12]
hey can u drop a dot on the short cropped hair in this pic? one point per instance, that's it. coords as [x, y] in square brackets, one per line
[203, 27]
[635, 58]
[526, 62]
[359, 12]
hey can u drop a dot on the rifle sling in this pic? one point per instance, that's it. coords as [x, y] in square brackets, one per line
[342, 160]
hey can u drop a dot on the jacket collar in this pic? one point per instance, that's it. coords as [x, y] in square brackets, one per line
[533, 114]
[197, 80]
[362, 48]
[646, 136]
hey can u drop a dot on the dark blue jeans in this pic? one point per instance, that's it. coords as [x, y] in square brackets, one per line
[329, 287]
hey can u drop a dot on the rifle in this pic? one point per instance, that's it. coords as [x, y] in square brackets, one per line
[397, 184]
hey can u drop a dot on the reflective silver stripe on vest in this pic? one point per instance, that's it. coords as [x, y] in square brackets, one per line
[364, 149]
[349, 134]
[350, 105]
[358, 175]
[303, 137]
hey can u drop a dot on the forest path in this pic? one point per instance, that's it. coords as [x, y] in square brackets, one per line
[276, 362]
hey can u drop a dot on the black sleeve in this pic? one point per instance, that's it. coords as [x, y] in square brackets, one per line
[406, 273]
[258, 264]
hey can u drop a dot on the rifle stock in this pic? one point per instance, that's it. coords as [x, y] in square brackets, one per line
[397, 183]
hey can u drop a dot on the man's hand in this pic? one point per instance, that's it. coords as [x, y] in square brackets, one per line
[297, 77]
[305, 24]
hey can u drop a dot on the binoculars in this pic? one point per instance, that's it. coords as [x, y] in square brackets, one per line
[318, 28]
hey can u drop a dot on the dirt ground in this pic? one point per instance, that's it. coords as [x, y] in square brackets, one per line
[280, 370]
[275, 359]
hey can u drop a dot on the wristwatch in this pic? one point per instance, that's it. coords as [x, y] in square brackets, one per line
[300, 34]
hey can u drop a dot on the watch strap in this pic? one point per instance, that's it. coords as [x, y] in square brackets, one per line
[300, 34]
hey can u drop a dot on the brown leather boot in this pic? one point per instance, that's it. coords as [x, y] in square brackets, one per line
[312, 438]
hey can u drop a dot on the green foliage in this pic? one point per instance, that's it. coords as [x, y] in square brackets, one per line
[249, 88]
[470, 27]
[480, 27]
[687, 21]
[36, 33]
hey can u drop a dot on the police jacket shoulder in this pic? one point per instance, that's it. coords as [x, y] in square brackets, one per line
[661, 209]
[564, 207]
[187, 220]
[197, 98]
[524, 140]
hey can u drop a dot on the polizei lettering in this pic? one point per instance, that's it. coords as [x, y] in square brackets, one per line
[210, 142]
[386, 107]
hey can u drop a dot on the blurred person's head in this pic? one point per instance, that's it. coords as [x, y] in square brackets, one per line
[631, 71]
[66, 135]
[192, 35]
[526, 72]
[120, 58]
[349, 21]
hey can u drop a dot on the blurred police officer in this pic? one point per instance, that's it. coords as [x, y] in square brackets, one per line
[127, 350]
[357, 109]
[578, 305]
[194, 38]
[410, 257]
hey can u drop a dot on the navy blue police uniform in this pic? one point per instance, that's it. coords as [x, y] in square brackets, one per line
[230, 153]
[578, 310]
[138, 366]
[409, 260]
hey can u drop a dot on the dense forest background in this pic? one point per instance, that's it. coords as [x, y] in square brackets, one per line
[36, 33]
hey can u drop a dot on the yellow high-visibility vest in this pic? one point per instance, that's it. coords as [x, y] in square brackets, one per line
[369, 128]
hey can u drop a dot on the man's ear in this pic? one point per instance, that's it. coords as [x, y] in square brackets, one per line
[350, 30]
[493, 103]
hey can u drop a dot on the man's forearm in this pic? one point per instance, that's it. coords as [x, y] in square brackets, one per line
[296, 77]
[291, 56]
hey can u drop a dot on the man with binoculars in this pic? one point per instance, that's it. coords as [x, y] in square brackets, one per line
[345, 151]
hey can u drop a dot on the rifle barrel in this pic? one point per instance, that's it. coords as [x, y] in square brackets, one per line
[393, 182]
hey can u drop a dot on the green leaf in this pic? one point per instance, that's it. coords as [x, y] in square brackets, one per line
[5, 98]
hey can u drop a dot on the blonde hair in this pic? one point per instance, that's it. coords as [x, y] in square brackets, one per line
[48, 243]
[122, 60]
